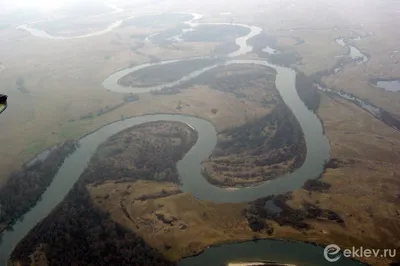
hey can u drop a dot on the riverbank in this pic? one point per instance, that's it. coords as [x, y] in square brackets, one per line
[155, 147]
[135, 205]
[145, 77]
[362, 182]
[26, 186]
[216, 217]
[262, 148]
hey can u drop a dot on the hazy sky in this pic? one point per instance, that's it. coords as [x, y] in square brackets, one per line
[43, 4]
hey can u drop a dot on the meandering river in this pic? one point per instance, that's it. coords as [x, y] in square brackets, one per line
[354, 52]
[189, 168]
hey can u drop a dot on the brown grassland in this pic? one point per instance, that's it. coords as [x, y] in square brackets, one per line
[364, 194]
[64, 79]
[318, 23]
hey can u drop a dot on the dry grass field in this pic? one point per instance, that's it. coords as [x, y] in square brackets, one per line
[364, 194]
[189, 225]
[64, 81]
[318, 23]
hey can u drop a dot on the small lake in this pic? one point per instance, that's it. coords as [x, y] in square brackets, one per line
[270, 50]
[389, 85]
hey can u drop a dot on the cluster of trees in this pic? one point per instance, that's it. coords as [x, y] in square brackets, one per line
[313, 212]
[257, 213]
[266, 142]
[76, 233]
[131, 97]
[25, 187]
[237, 83]
[147, 149]
[260, 41]
[284, 58]
[307, 91]
[165, 73]
[219, 33]
[128, 98]
[316, 185]
[225, 48]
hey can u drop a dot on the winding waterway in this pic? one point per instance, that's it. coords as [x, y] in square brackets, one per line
[44, 34]
[317, 144]
[189, 168]
[354, 53]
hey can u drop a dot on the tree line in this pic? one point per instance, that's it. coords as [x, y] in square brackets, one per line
[77, 232]
[25, 187]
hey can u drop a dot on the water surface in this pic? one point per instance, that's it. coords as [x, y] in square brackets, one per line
[300, 254]
[354, 52]
[389, 85]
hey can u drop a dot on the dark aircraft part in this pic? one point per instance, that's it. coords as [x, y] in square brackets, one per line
[3, 98]
[3, 103]
[3, 107]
